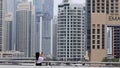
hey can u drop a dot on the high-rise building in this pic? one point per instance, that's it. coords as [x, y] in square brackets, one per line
[38, 10]
[48, 7]
[33, 50]
[2, 13]
[23, 28]
[54, 36]
[10, 4]
[43, 17]
[38, 4]
[44, 6]
[71, 34]
[8, 32]
[104, 20]
[11, 7]
[88, 10]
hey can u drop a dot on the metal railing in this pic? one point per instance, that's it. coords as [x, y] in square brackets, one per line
[20, 61]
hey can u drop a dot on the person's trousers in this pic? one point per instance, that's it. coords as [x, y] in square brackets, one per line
[38, 64]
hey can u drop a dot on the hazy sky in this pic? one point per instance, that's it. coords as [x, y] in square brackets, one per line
[56, 2]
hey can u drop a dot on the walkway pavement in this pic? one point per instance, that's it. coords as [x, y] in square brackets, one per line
[16, 66]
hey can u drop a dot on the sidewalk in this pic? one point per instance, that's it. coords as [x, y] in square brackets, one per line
[16, 66]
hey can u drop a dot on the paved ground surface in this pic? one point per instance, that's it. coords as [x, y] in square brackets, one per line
[16, 66]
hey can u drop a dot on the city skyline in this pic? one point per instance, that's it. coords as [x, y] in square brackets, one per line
[62, 30]
[57, 2]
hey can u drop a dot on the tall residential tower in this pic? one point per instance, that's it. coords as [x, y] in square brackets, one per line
[71, 34]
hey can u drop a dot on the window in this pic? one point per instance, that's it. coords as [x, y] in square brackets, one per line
[93, 47]
[93, 31]
[112, 7]
[103, 11]
[98, 36]
[98, 31]
[93, 9]
[98, 11]
[102, 4]
[103, 47]
[103, 0]
[116, 7]
[93, 41]
[98, 0]
[98, 41]
[102, 7]
[98, 4]
[98, 8]
[93, 25]
[112, 11]
[98, 25]
[74, 7]
[93, 36]
[98, 46]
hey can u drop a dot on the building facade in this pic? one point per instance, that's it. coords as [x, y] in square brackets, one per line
[23, 28]
[71, 34]
[44, 6]
[104, 28]
[43, 17]
[44, 34]
[54, 36]
[2, 14]
[11, 7]
[8, 32]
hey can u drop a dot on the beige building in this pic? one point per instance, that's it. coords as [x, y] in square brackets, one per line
[105, 28]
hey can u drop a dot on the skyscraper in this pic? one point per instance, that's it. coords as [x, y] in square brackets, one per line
[104, 20]
[8, 32]
[54, 36]
[71, 34]
[2, 9]
[33, 49]
[23, 28]
[11, 7]
[43, 17]
[44, 6]
[48, 7]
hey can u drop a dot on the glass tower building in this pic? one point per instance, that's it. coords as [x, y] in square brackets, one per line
[23, 28]
[2, 2]
[43, 17]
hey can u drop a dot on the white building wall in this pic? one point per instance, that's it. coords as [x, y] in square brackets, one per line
[71, 35]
